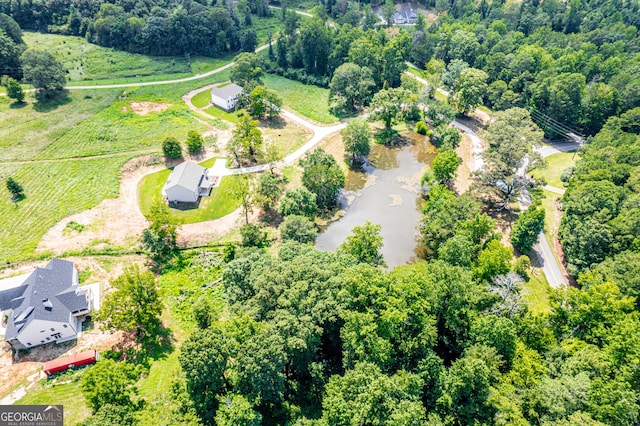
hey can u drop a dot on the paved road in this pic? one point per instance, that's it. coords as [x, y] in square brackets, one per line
[550, 266]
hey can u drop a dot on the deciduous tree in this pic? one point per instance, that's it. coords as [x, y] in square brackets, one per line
[299, 229]
[110, 382]
[195, 143]
[364, 244]
[526, 229]
[298, 201]
[134, 305]
[386, 105]
[171, 148]
[322, 175]
[445, 165]
[42, 70]
[357, 138]
[469, 89]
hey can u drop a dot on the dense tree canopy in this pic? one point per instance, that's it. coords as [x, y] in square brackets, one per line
[322, 175]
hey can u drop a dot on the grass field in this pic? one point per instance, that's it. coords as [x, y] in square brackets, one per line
[310, 101]
[535, 292]
[80, 124]
[288, 138]
[64, 389]
[216, 205]
[556, 164]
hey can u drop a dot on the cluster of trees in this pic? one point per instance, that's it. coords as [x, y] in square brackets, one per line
[601, 212]
[576, 62]
[172, 149]
[184, 29]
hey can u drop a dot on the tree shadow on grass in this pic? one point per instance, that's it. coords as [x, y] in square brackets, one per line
[158, 345]
[274, 123]
[51, 99]
[18, 105]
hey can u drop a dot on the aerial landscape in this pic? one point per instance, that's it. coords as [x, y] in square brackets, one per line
[304, 212]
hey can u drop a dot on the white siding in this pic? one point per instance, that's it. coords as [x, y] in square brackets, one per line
[33, 332]
[181, 195]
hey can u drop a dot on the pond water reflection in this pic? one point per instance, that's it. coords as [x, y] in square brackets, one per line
[385, 192]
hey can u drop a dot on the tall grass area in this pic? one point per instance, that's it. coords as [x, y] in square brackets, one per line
[65, 390]
[37, 142]
[310, 101]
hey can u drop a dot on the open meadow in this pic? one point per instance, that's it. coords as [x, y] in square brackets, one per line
[67, 153]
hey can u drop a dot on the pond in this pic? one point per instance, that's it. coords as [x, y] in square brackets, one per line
[386, 192]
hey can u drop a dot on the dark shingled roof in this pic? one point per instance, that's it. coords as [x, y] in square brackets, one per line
[49, 294]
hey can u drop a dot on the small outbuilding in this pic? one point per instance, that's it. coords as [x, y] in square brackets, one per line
[226, 96]
[71, 361]
[187, 183]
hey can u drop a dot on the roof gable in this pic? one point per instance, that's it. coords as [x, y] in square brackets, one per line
[186, 175]
[51, 294]
[227, 91]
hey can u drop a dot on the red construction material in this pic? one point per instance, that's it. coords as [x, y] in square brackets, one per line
[64, 363]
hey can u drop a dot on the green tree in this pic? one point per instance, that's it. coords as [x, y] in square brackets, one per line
[42, 70]
[110, 382]
[252, 235]
[322, 175]
[247, 70]
[14, 90]
[235, 410]
[298, 201]
[159, 239]
[526, 229]
[386, 105]
[247, 139]
[202, 311]
[298, 228]
[365, 395]
[494, 260]
[469, 89]
[260, 369]
[111, 415]
[451, 74]
[357, 138]
[171, 148]
[351, 87]
[269, 190]
[195, 143]
[204, 358]
[364, 244]
[264, 103]
[439, 113]
[240, 189]
[388, 10]
[17, 193]
[134, 305]
[445, 165]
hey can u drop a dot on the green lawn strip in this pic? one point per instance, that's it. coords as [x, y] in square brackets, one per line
[27, 131]
[220, 203]
[220, 114]
[175, 91]
[54, 190]
[308, 100]
[551, 219]
[202, 99]
[65, 390]
[556, 164]
[535, 292]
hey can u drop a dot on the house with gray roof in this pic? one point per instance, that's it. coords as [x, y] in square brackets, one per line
[49, 306]
[225, 96]
[187, 183]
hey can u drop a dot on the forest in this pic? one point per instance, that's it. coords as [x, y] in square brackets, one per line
[287, 334]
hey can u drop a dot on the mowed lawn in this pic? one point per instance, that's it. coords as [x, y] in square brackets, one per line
[556, 164]
[535, 292]
[310, 101]
[220, 203]
[64, 390]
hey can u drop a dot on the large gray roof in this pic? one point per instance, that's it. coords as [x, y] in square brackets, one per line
[50, 294]
[187, 175]
[229, 91]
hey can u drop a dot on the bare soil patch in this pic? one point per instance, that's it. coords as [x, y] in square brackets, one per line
[463, 178]
[145, 108]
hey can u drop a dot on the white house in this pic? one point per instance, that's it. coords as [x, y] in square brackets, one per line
[225, 96]
[399, 18]
[187, 183]
[49, 306]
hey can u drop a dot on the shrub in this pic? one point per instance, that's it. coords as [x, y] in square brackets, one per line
[421, 128]
[298, 228]
[195, 143]
[566, 174]
[521, 266]
[171, 149]
[253, 236]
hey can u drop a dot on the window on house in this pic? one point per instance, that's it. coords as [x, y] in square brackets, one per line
[56, 335]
